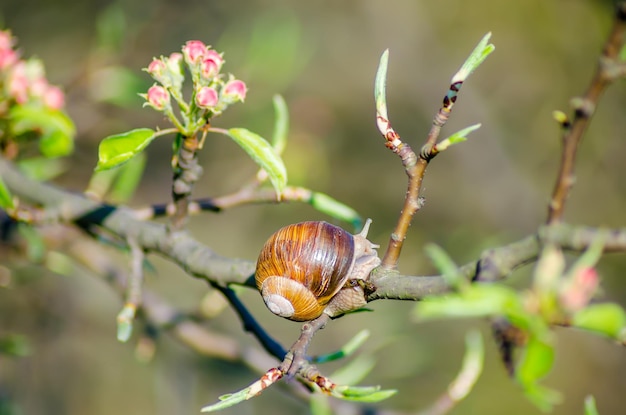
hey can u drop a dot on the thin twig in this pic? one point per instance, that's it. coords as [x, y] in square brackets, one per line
[583, 110]
[187, 172]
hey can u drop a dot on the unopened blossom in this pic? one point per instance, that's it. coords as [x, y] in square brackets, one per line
[579, 290]
[206, 97]
[6, 40]
[8, 57]
[211, 64]
[234, 90]
[158, 97]
[54, 98]
[156, 68]
[18, 83]
[193, 51]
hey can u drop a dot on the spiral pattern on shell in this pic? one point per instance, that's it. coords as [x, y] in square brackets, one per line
[302, 267]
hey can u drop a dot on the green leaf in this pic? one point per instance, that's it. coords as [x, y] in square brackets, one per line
[362, 393]
[590, 406]
[56, 144]
[41, 168]
[606, 318]
[227, 401]
[271, 376]
[380, 85]
[475, 301]
[355, 371]
[15, 345]
[56, 128]
[128, 179]
[119, 148]
[6, 199]
[446, 266]
[472, 366]
[458, 137]
[335, 209]
[536, 361]
[125, 322]
[349, 348]
[473, 61]
[263, 154]
[281, 125]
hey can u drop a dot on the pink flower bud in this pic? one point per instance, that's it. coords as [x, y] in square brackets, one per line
[54, 98]
[579, 290]
[193, 51]
[6, 40]
[38, 87]
[211, 64]
[234, 90]
[156, 68]
[18, 83]
[158, 97]
[206, 97]
[8, 57]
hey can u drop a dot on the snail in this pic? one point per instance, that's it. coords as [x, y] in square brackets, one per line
[310, 268]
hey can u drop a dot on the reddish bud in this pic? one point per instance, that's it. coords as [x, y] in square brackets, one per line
[6, 40]
[8, 57]
[211, 64]
[54, 98]
[580, 289]
[234, 90]
[18, 83]
[206, 97]
[156, 68]
[158, 97]
[193, 51]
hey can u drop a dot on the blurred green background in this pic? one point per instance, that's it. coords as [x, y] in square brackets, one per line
[322, 56]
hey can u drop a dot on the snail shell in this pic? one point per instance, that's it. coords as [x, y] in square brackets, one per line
[303, 270]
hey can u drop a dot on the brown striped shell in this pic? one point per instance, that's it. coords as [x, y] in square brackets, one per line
[303, 266]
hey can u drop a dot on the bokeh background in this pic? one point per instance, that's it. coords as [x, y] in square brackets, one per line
[322, 56]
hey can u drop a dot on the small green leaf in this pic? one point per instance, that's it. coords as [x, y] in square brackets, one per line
[362, 393]
[226, 401]
[458, 137]
[119, 148]
[474, 301]
[590, 406]
[471, 368]
[6, 199]
[542, 397]
[56, 128]
[335, 209]
[349, 348]
[281, 125]
[536, 361]
[263, 154]
[15, 345]
[380, 85]
[473, 61]
[41, 168]
[56, 144]
[355, 371]
[606, 318]
[125, 322]
[446, 266]
[128, 179]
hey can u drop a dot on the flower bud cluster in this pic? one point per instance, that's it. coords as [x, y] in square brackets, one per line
[211, 92]
[24, 81]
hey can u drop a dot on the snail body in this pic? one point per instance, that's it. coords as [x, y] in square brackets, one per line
[310, 268]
